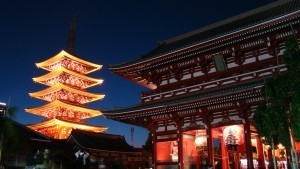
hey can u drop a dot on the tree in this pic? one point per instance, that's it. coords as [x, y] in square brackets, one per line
[281, 115]
[148, 144]
[9, 141]
[292, 61]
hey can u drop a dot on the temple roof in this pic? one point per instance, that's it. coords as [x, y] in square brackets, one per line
[162, 104]
[57, 103]
[62, 55]
[101, 141]
[24, 131]
[62, 70]
[225, 27]
[62, 123]
[59, 87]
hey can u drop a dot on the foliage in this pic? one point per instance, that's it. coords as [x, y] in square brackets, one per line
[292, 60]
[11, 112]
[148, 144]
[282, 94]
[9, 133]
[264, 123]
[11, 139]
[295, 117]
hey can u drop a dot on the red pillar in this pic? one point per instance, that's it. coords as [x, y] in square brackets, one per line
[237, 160]
[132, 163]
[248, 143]
[224, 155]
[180, 151]
[210, 146]
[260, 153]
[154, 155]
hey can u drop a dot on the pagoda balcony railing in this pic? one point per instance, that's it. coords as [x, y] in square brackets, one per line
[156, 95]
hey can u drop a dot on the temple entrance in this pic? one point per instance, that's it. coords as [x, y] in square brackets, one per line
[229, 148]
[194, 148]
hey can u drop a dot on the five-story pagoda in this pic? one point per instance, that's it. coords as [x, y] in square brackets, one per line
[66, 94]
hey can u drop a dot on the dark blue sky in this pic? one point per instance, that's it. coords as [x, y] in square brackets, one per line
[107, 32]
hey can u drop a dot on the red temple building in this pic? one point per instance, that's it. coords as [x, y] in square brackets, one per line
[205, 86]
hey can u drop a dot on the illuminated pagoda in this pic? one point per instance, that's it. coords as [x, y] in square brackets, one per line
[66, 94]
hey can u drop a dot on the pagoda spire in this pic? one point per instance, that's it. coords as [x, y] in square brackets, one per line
[71, 40]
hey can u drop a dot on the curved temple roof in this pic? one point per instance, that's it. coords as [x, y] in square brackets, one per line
[63, 54]
[102, 141]
[59, 87]
[57, 122]
[225, 27]
[61, 104]
[62, 70]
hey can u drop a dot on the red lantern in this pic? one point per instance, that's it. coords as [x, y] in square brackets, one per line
[233, 136]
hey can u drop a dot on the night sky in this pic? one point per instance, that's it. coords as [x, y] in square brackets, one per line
[107, 32]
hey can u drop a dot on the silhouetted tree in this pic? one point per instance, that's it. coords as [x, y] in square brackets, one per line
[282, 94]
[9, 138]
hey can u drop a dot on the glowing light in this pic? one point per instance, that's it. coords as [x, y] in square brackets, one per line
[201, 139]
[2, 104]
[233, 136]
[280, 146]
[55, 62]
[174, 151]
[66, 96]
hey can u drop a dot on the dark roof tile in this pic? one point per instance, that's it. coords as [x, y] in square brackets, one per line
[239, 22]
[101, 141]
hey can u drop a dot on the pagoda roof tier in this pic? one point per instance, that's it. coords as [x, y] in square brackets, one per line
[47, 94]
[47, 64]
[60, 104]
[250, 21]
[60, 123]
[58, 72]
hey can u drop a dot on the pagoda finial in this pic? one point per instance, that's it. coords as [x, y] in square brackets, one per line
[71, 40]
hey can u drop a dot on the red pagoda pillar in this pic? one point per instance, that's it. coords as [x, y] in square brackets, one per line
[180, 147]
[237, 160]
[260, 153]
[154, 155]
[248, 143]
[210, 146]
[132, 163]
[224, 155]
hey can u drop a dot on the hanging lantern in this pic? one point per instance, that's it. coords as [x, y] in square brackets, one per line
[233, 137]
[201, 140]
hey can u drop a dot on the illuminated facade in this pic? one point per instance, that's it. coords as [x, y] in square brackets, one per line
[66, 96]
[205, 86]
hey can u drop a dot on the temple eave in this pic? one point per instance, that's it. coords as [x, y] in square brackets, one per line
[60, 87]
[57, 103]
[61, 129]
[63, 54]
[62, 70]
[38, 112]
[70, 125]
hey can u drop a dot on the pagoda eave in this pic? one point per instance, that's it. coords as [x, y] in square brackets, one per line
[60, 123]
[61, 87]
[56, 73]
[63, 54]
[54, 122]
[60, 104]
